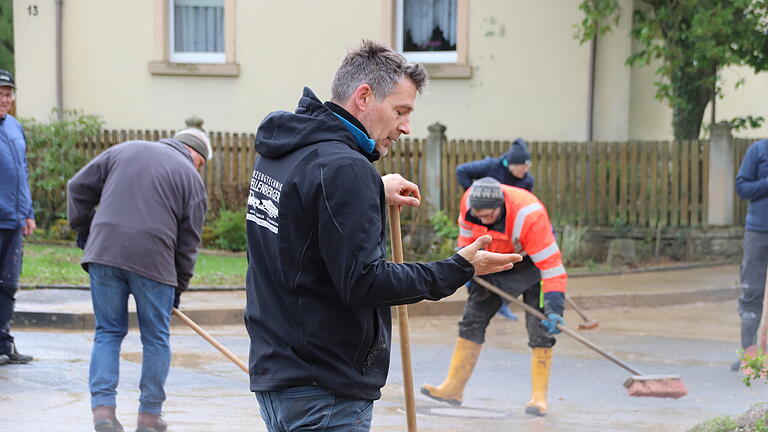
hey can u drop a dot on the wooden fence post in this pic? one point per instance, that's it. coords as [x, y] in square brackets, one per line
[721, 181]
[434, 156]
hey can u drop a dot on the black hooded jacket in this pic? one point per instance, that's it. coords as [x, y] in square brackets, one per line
[319, 286]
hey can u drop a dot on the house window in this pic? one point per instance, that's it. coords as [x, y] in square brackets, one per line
[196, 31]
[426, 30]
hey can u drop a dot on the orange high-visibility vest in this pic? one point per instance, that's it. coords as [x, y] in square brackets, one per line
[527, 231]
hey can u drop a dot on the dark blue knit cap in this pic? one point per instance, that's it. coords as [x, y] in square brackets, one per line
[518, 152]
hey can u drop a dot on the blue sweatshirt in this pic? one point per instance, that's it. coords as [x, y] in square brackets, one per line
[15, 198]
[752, 185]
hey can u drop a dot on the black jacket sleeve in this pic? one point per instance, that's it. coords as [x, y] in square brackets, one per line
[350, 232]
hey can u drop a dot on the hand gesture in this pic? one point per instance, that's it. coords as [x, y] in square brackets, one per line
[399, 191]
[486, 262]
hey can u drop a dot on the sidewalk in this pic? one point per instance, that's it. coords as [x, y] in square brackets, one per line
[71, 309]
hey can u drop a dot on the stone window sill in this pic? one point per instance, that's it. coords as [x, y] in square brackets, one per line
[448, 70]
[194, 69]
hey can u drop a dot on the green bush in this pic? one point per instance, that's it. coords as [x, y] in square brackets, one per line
[60, 230]
[447, 231]
[229, 230]
[52, 158]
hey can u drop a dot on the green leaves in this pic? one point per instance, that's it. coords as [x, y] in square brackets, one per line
[692, 39]
[53, 158]
[229, 230]
[6, 35]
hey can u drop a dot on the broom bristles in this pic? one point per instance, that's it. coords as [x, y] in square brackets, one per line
[667, 386]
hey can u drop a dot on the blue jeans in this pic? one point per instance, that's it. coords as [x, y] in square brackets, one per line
[311, 408]
[110, 287]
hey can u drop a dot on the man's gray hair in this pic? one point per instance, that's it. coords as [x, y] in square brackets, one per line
[379, 67]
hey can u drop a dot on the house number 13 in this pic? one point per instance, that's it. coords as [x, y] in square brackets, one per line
[32, 10]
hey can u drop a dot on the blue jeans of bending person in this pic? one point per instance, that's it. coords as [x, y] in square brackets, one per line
[313, 408]
[110, 288]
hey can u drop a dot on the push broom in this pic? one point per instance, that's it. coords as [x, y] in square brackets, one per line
[639, 385]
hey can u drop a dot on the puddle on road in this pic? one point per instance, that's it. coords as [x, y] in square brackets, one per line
[186, 360]
[466, 412]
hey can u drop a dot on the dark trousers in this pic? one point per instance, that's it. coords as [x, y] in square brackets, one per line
[482, 305]
[10, 268]
[753, 271]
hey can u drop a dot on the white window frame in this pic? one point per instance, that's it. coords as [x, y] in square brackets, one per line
[421, 56]
[189, 57]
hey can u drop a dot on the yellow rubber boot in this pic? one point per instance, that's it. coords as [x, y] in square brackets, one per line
[462, 364]
[541, 363]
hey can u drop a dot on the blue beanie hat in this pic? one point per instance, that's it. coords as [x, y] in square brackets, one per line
[518, 153]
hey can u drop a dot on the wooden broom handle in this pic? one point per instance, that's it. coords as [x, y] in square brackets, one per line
[210, 340]
[402, 322]
[535, 312]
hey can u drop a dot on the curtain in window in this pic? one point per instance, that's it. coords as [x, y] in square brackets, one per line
[198, 25]
[429, 25]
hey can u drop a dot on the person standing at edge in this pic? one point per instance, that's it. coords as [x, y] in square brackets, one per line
[138, 209]
[518, 222]
[319, 286]
[752, 185]
[17, 217]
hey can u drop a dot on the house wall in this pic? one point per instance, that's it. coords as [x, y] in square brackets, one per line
[529, 74]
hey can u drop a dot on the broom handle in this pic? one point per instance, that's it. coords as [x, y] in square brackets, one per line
[573, 306]
[210, 339]
[564, 329]
[402, 322]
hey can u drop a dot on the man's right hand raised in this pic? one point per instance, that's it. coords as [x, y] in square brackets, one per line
[486, 262]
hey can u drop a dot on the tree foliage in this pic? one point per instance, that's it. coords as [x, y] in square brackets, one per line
[52, 158]
[6, 35]
[693, 40]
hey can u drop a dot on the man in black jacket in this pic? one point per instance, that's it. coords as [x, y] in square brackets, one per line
[319, 286]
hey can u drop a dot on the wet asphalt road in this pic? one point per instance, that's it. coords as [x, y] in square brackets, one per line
[208, 393]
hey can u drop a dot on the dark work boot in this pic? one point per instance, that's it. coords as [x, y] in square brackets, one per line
[735, 366]
[15, 357]
[150, 423]
[104, 419]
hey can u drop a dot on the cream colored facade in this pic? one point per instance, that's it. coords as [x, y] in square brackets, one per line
[528, 76]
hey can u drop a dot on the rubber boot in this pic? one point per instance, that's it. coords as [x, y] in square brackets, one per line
[462, 364]
[541, 362]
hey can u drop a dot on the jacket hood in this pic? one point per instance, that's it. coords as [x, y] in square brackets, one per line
[283, 132]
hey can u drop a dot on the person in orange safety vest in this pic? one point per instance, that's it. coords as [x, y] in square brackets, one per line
[518, 222]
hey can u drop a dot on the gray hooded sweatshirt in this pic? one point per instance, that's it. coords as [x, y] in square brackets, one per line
[142, 205]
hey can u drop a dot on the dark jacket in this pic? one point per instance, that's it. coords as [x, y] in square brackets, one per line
[142, 205]
[468, 172]
[15, 198]
[319, 286]
[752, 185]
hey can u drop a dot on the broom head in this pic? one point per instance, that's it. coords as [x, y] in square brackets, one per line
[661, 386]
